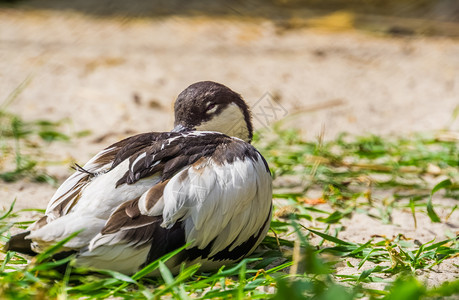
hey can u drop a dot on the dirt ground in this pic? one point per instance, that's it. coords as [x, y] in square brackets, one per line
[116, 77]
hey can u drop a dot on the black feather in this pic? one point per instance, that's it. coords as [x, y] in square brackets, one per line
[19, 243]
[79, 168]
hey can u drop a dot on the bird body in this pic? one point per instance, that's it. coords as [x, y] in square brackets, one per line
[152, 193]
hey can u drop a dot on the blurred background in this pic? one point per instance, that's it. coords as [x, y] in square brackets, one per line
[114, 68]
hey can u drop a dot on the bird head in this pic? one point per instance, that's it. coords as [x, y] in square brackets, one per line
[210, 106]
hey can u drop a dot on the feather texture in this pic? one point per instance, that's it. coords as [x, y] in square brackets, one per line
[202, 188]
[214, 203]
[152, 193]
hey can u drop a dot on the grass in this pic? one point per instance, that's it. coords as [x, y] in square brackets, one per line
[299, 258]
[22, 143]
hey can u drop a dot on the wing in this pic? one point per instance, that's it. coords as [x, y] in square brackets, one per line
[68, 194]
[215, 194]
[120, 173]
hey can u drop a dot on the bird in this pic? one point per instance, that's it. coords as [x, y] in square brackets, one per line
[201, 186]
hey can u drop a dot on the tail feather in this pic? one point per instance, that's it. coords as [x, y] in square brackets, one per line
[20, 244]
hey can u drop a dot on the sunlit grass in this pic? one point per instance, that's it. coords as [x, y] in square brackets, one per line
[348, 171]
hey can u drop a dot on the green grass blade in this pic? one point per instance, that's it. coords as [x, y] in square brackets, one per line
[441, 185]
[436, 245]
[331, 238]
[117, 275]
[55, 248]
[50, 265]
[360, 248]
[430, 210]
[280, 267]
[8, 256]
[366, 258]
[5, 215]
[155, 264]
[166, 273]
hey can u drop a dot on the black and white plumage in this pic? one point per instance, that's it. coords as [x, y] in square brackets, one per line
[140, 198]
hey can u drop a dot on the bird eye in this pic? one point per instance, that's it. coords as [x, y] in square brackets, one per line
[210, 106]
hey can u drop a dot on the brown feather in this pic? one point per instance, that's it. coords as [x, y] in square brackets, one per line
[154, 194]
[121, 218]
[132, 209]
[39, 224]
[71, 198]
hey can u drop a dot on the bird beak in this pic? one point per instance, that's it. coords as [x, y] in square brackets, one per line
[179, 128]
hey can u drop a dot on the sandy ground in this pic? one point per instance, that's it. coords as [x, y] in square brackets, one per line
[116, 77]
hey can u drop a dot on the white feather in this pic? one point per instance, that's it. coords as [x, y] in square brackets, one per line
[72, 182]
[97, 202]
[228, 203]
[65, 226]
[230, 121]
[141, 156]
[156, 210]
[101, 196]
[120, 257]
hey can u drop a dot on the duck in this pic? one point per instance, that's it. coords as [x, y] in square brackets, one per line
[201, 186]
